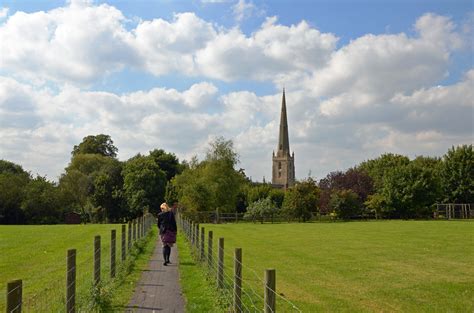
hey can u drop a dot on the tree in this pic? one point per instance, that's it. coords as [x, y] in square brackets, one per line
[353, 179]
[212, 183]
[108, 191]
[411, 190]
[168, 163]
[260, 209]
[457, 175]
[144, 184]
[376, 204]
[301, 199]
[11, 195]
[42, 203]
[13, 180]
[378, 167]
[99, 144]
[277, 196]
[92, 184]
[222, 150]
[258, 192]
[345, 203]
[12, 168]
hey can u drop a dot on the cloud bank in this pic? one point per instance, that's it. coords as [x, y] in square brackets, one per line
[377, 93]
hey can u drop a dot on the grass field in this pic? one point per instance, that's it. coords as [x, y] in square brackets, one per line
[37, 255]
[386, 266]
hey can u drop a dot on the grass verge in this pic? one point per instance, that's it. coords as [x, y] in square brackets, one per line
[199, 293]
[121, 290]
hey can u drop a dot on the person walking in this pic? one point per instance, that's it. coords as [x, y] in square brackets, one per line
[168, 230]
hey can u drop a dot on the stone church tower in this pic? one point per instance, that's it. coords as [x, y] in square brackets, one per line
[283, 170]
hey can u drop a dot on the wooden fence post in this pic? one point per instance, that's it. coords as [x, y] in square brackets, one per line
[238, 280]
[196, 242]
[14, 296]
[220, 264]
[96, 261]
[139, 225]
[124, 253]
[113, 236]
[209, 249]
[71, 281]
[129, 235]
[190, 232]
[270, 291]
[201, 254]
[134, 231]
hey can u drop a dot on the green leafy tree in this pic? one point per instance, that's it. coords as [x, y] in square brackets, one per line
[168, 163]
[11, 195]
[13, 180]
[99, 144]
[277, 196]
[92, 184]
[258, 192]
[171, 194]
[376, 204]
[108, 191]
[222, 150]
[42, 203]
[345, 203]
[144, 184]
[260, 209]
[411, 190]
[212, 183]
[377, 168]
[12, 168]
[301, 200]
[457, 175]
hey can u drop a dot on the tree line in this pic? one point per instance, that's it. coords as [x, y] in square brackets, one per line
[389, 186]
[101, 188]
[95, 184]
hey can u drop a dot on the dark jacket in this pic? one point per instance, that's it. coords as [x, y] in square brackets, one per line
[166, 221]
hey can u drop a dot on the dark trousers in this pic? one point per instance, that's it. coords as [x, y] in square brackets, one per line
[166, 253]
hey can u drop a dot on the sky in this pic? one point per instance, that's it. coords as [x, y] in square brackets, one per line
[362, 78]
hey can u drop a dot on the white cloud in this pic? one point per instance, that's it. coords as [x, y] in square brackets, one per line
[270, 51]
[82, 43]
[77, 43]
[169, 46]
[243, 9]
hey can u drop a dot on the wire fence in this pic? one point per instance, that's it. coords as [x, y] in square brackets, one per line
[239, 287]
[87, 285]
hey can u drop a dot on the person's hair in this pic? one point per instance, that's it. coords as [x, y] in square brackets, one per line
[164, 207]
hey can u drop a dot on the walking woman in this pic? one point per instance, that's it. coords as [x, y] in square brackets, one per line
[168, 229]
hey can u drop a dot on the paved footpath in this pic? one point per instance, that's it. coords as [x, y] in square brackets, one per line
[158, 289]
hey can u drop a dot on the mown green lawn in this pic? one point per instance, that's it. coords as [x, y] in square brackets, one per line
[386, 266]
[37, 255]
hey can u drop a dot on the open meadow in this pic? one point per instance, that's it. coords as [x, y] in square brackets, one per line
[37, 255]
[386, 266]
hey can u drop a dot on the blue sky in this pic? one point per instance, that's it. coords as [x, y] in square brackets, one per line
[362, 78]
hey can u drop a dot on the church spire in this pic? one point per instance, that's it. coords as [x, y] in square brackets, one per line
[283, 142]
[283, 168]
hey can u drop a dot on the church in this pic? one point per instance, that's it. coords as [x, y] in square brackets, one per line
[283, 163]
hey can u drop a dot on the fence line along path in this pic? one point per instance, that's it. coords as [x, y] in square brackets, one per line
[158, 289]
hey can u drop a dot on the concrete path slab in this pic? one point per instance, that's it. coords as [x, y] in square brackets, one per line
[158, 289]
